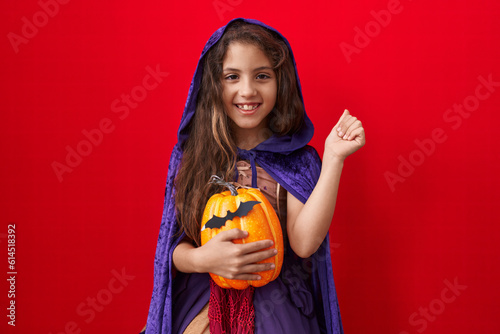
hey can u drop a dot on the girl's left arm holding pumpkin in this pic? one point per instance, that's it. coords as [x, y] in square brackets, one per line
[308, 224]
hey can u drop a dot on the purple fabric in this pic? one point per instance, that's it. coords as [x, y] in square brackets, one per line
[304, 296]
[191, 294]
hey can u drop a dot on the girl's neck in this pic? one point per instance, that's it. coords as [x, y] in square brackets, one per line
[247, 139]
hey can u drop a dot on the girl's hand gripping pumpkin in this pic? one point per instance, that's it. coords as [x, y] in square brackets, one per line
[222, 257]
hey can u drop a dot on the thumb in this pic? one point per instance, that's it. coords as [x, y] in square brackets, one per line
[344, 114]
[232, 234]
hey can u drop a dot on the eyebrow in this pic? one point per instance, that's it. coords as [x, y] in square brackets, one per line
[230, 69]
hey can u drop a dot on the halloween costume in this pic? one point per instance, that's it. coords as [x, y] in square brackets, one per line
[303, 298]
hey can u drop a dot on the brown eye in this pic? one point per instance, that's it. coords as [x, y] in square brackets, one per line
[232, 77]
[263, 76]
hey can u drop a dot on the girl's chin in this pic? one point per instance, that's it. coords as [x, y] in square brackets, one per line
[248, 126]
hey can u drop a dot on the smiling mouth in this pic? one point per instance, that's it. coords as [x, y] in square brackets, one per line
[247, 107]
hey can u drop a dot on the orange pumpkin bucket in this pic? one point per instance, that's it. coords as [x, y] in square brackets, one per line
[248, 210]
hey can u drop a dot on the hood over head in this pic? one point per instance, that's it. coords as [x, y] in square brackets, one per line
[277, 144]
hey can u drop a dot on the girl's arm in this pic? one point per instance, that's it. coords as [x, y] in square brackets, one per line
[224, 258]
[308, 224]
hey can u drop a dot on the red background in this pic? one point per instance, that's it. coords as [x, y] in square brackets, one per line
[395, 243]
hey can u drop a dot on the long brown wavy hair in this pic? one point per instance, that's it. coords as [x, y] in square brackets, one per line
[210, 148]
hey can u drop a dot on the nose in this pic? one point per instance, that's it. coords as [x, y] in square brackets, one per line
[247, 88]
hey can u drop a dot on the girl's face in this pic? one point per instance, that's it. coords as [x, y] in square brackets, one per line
[249, 91]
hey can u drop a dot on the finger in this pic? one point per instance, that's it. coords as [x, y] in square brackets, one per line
[255, 246]
[259, 256]
[358, 135]
[345, 114]
[246, 277]
[355, 125]
[344, 126]
[258, 267]
[232, 234]
[251, 271]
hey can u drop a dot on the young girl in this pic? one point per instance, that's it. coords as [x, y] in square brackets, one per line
[245, 120]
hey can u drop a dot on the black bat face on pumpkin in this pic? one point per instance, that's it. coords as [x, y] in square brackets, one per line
[242, 211]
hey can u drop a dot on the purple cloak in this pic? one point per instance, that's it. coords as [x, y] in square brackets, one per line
[304, 285]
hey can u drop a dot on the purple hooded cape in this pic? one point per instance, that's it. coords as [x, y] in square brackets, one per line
[305, 283]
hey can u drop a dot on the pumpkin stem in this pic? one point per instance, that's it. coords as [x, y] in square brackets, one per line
[220, 181]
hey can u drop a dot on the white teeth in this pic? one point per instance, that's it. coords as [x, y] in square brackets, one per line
[246, 106]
